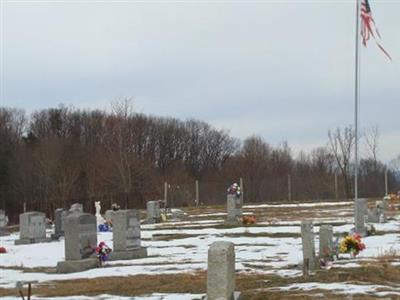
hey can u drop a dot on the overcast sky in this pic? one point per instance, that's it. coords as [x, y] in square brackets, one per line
[280, 69]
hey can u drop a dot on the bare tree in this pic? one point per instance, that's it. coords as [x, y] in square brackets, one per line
[372, 142]
[341, 145]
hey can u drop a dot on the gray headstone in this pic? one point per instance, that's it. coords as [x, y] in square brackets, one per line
[221, 271]
[32, 226]
[359, 216]
[58, 222]
[379, 204]
[326, 241]
[126, 230]
[307, 237]
[153, 212]
[3, 219]
[234, 208]
[374, 215]
[3, 223]
[80, 235]
[76, 207]
[385, 202]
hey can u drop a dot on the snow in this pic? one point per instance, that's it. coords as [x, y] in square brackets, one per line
[341, 288]
[258, 249]
[291, 205]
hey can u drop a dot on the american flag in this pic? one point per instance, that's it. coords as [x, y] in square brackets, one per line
[368, 27]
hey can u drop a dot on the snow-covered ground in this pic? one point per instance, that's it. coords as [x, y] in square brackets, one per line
[272, 248]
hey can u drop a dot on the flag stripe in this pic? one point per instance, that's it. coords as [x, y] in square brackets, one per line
[368, 27]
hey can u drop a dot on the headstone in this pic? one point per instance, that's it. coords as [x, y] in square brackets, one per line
[376, 215]
[307, 237]
[126, 236]
[32, 227]
[153, 212]
[58, 223]
[234, 209]
[3, 223]
[359, 216]
[80, 241]
[379, 204]
[177, 214]
[221, 271]
[326, 250]
[76, 207]
[385, 202]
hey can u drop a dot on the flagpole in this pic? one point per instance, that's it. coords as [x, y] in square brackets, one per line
[356, 96]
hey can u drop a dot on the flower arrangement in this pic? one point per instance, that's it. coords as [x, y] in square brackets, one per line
[249, 219]
[351, 244]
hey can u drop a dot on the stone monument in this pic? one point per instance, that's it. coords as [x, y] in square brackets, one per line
[76, 207]
[153, 212]
[221, 271]
[126, 236]
[3, 223]
[32, 227]
[80, 242]
[359, 216]
[307, 238]
[59, 215]
[326, 250]
[234, 210]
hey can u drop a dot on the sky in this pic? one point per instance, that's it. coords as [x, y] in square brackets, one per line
[283, 70]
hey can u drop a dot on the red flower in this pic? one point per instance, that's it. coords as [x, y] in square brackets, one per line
[3, 250]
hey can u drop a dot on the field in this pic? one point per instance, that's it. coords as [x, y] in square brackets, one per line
[267, 259]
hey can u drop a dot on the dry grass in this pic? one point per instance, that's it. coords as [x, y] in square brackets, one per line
[253, 286]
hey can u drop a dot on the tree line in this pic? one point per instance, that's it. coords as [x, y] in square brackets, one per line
[58, 156]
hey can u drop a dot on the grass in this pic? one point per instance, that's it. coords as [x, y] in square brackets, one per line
[253, 286]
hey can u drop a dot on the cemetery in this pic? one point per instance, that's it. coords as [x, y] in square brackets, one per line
[319, 249]
[199, 150]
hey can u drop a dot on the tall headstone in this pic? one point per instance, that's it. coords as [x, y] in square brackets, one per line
[80, 242]
[126, 236]
[153, 212]
[58, 223]
[221, 271]
[359, 216]
[3, 223]
[307, 237]
[234, 209]
[386, 202]
[32, 227]
[326, 250]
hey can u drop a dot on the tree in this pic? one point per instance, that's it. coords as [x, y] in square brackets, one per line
[341, 145]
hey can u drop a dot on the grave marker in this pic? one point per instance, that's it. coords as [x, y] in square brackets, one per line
[359, 216]
[307, 237]
[326, 250]
[58, 223]
[32, 227]
[153, 212]
[126, 236]
[221, 271]
[76, 207]
[3, 223]
[234, 210]
[80, 242]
